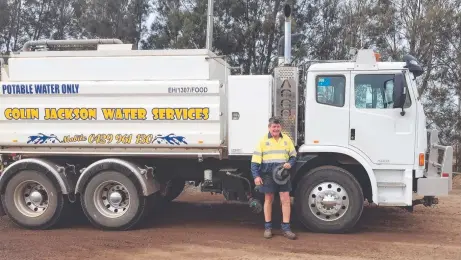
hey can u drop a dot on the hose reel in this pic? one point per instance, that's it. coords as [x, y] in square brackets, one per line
[280, 175]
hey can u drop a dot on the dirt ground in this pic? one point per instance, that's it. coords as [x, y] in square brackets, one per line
[203, 226]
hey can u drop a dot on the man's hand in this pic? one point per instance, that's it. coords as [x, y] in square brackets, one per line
[258, 181]
[287, 166]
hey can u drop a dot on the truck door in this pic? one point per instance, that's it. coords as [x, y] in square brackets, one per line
[377, 129]
[327, 108]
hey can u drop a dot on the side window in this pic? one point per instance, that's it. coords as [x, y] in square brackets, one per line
[330, 90]
[376, 91]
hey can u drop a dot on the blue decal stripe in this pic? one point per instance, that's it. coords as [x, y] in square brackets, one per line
[43, 139]
[170, 139]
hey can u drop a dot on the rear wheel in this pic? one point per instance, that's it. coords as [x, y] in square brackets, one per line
[112, 201]
[329, 199]
[32, 200]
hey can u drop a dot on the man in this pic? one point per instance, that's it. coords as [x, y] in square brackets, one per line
[273, 150]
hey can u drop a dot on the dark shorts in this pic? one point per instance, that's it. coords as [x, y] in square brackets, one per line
[270, 186]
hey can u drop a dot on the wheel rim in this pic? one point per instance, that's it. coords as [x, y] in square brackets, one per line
[31, 198]
[111, 199]
[328, 201]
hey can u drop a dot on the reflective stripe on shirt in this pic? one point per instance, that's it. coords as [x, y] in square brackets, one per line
[270, 153]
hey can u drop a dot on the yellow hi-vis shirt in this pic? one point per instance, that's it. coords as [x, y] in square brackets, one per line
[270, 153]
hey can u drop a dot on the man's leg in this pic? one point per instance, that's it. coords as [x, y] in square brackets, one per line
[268, 200]
[268, 188]
[286, 206]
[286, 210]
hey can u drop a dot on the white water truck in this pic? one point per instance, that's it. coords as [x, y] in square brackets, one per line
[111, 129]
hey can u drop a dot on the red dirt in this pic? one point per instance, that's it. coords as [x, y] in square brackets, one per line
[202, 226]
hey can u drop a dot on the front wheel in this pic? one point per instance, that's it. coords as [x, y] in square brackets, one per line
[112, 201]
[329, 199]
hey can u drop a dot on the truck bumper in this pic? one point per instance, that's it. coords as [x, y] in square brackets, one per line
[433, 186]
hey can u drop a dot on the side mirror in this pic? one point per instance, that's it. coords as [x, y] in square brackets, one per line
[399, 94]
[413, 65]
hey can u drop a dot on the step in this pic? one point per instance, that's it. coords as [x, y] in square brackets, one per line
[391, 184]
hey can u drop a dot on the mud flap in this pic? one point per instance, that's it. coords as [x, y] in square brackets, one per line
[2, 211]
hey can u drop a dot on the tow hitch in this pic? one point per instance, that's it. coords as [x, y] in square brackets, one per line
[427, 201]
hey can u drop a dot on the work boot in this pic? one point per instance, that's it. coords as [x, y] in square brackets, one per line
[268, 233]
[268, 230]
[287, 231]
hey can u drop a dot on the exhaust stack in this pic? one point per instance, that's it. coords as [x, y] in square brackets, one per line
[209, 27]
[287, 52]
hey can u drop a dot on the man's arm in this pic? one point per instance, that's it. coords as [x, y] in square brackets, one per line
[256, 160]
[292, 153]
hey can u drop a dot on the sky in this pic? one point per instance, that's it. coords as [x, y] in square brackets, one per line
[148, 22]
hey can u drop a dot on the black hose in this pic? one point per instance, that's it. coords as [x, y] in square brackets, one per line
[240, 177]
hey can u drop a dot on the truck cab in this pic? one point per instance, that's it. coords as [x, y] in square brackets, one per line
[364, 105]
[370, 110]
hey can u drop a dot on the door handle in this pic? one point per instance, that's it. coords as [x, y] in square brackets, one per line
[352, 133]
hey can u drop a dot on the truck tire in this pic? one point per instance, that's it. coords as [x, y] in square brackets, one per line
[341, 213]
[32, 200]
[113, 201]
